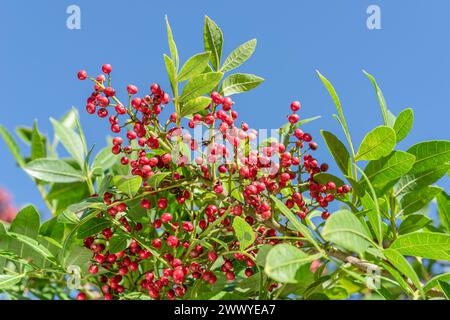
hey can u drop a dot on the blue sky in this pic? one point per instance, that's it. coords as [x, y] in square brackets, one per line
[409, 56]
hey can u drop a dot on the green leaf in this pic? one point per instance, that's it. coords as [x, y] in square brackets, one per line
[297, 225]
[403, 124]
[26, 223]
[71, 214]
[8, 255]
[70, 140]
[337, 150]
[380, 96]
[77, 256]
[284, 261]
[434, 282]
[62, 195]
[53, 170]
[413, 222]
[118, 242]
[155, 180]
[92, 226]
[104, 159]
[387, 169]
[337, 102]
[429, 155]
[376, 144]
[403, 266]
[445, 288]
[171, 72]
[172, 45]
[24, 133]
[239, 55]
[244, 233]
[213, 41]
[34, 245]
[38, 149]
[128, 185]
[417, 181]
[323, 178]
[443, 203]
[344, 229]
[12, 145]
[240, 82]
[261, 257]
[200, 84]
[374, 218]
[194, 106]
[415, 200]
[427, 245]
[194, 66]
[7, 281]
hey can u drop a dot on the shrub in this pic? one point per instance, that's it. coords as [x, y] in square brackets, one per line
[186, 202]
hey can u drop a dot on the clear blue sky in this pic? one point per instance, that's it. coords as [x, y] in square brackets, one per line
[410, 57]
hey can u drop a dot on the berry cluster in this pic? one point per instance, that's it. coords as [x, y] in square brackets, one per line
[181, 242]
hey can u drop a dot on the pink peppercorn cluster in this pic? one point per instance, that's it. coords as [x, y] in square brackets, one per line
[173, 250]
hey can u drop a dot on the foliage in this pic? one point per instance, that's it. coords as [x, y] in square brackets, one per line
[159, 213]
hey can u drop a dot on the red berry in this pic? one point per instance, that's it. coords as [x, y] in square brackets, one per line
[325, 215]
[172, 241]
[107, 68]
[132, 89]
[166, 217]
[120, 109]
[93, 269]
[188, 226]
[82, 75]
[131, 135]
[155, 89]
[81, 296]
[295, 106]
[293, 118]
[212, 256]
[162, 203]
[146, 204]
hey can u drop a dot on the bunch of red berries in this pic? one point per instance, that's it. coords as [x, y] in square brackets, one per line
[180, 241]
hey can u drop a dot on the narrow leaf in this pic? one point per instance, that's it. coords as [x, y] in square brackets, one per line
[376, 144]
[284, 261]
[128, 185]
[196, 105]
[403, 124]
[53, 170]
[200, 84]
[12, 145]
[380, 96]
[415, 200]
[91, 227]
[427, 245]
[172, 45]
[344, 229]
[240, 82]
[38, 149]
[70, 140]
[239, 55]
[213, 41]
[338, 151]
[194, 66]
[244, 233]
[443, 202]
